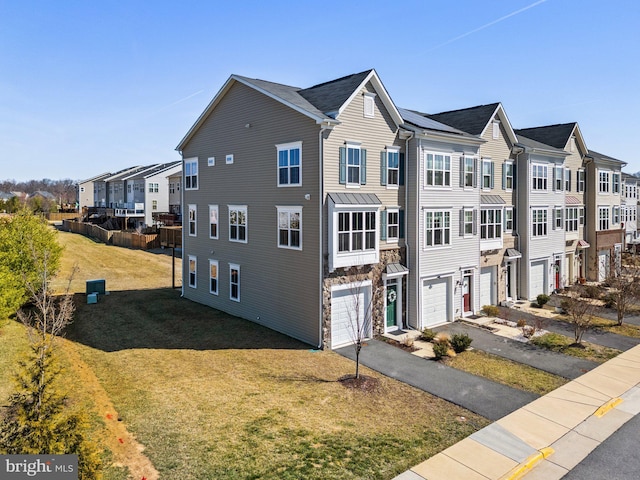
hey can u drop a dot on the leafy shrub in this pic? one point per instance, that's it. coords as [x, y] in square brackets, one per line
[440, 349]
[428, 335]
[542, 299]
[491, 310]
[460, 342]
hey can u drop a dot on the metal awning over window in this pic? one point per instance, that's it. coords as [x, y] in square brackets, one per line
[395, 270]
[583, 244]
[512, 254]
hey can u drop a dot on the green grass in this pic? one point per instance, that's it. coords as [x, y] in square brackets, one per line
[211, 396]
[505, 371]
[563, 344]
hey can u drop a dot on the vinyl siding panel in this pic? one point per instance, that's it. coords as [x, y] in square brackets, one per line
[374, 134]
[279, 287]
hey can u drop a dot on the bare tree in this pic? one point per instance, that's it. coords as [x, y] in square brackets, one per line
[581, 312]
[360, 314]
[624, 290]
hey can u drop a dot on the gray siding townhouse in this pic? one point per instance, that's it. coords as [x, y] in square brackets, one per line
[540, 204]
[86, 190]
[629, 208]
[443, 200]
[605, 231]
[293, 206]
[568, 137]
[496, 171]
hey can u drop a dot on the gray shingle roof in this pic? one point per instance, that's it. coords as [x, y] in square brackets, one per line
[423, 121]
[472, 120]
[285, 92]
[341, 198]
[528, 142]
[328, 97]
[555, 135]
[602, 156]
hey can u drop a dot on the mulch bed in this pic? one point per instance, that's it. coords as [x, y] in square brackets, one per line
[363, 382]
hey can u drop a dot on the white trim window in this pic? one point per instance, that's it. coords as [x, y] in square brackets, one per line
[508, 219]
[193, 220]
[490, 223]
[154, 187]
[509, 175]
[234, 282]
[615, 215]
[238, 223]
[437, 228]
[213, 277]
[581, 216]
[392, 162]
[571, 219]
[604, 182]
[290, 227]
[228, 159]
[393, 224]
[437, 169]
[580, 181]
[603, 218]
[289, 164]
[487, 174]
[567, 180]
[356, 231]
[467, 222]
[615, 183]
[539, 222]
[353, 164]
[558, 177]
[193, 271]
[468, 172]
[213, 221]
[539, 176]
[154, 204]
[191, 174]
[557, 218]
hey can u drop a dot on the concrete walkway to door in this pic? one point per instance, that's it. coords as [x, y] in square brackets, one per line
[484, 397]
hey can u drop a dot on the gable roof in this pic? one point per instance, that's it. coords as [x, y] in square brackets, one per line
[555, 135]
[422, 120]
[539, 147]
[475, 120]
[95, 179]
[323, 102]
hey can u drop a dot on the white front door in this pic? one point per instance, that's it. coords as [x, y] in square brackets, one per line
[604, 263]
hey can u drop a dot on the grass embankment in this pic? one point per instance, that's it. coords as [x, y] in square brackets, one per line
[211, 396]
[563, 344]
[608, 325]
[505, 371]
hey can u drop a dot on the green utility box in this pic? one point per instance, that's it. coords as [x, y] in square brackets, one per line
[96, 286]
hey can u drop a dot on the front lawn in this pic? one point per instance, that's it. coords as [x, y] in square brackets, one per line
[505, 371]
[211, 396]
[563, 344]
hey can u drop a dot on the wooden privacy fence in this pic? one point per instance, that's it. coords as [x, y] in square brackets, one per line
[56, 217]
[113, 237]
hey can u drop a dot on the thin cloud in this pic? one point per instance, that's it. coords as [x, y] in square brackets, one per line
[180, 101]
[487, 25]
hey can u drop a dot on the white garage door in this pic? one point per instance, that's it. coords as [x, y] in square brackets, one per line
[343, 314]
[435, 302]
[487, 286]
[537, 284]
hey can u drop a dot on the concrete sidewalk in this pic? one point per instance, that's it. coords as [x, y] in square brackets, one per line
[548, 437]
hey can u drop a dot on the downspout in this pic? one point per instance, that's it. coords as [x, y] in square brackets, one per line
[517, 218]
[323, 128]
[407, 244]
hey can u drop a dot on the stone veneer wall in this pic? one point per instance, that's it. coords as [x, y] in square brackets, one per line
[360, 273]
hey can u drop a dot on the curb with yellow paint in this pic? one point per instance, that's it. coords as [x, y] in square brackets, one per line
[526, 466]
[600, 412]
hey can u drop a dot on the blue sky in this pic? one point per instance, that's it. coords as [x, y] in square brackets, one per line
[89, 87]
